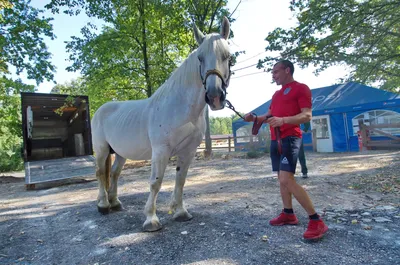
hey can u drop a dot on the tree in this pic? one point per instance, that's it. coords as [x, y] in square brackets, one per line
[362, 34]
[221, 125]
[10, 123]
[21, 41]
[141, 43]
[22, 48]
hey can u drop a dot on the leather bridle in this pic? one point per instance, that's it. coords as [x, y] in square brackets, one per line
[225, 83]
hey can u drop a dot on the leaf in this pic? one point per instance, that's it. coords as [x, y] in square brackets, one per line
[361, 34]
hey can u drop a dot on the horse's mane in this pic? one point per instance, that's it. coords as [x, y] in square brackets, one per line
[188, 72]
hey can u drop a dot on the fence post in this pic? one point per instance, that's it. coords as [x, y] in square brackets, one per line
[314, 139]
[363, 130]
[229, 144]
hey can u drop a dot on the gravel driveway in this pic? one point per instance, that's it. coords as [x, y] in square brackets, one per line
[231, 198]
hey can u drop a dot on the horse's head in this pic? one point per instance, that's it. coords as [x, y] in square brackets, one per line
[214, 59]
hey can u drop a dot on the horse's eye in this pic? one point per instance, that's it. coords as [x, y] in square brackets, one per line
[200, 59]
[230, 62]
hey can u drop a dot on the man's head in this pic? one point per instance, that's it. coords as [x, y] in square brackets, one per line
[282, 73]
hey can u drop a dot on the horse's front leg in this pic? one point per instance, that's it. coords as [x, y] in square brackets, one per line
[159, 162]
[102, 160]
[115, 203]
[182, 167]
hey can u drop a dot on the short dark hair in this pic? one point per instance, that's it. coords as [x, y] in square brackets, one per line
[286, 64]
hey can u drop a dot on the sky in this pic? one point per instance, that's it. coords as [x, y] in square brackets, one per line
[249, 88]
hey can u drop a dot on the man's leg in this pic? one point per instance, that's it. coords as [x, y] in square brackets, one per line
[289, 186]
[290, 150]
[302, 160]
[287, 216]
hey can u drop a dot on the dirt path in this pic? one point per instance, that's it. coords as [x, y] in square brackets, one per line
[231, 200]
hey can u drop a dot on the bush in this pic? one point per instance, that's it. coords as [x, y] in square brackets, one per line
[254, 154]
[10, 159]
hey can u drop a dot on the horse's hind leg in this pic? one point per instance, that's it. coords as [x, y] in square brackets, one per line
[115, 203]
[159, 162]
[102, 164]
[182, 167]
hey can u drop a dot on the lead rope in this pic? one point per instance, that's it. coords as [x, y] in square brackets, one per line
[257, 125]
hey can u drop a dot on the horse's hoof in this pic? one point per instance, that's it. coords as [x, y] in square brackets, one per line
[182, 216]
[117, 207]
[103, 210]
[152, 226]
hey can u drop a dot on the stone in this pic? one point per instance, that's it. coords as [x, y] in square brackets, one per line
[389, 207]
[382, 220]
[374, 197]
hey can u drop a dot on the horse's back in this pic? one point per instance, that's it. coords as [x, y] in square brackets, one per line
[122, 125]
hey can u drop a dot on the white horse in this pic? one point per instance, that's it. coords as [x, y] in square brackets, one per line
[169, 123]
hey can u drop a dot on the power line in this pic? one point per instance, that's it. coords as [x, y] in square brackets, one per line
[251, 57]
[235, 70]
[234, 77]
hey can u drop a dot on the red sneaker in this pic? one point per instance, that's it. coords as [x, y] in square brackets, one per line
[284, 219]
[316, 229]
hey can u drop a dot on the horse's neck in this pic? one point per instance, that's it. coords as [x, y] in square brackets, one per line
[183, 91]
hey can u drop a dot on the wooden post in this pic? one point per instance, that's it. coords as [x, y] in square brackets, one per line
[251, 144]
[229, 144]
[208, 149]
[314, 140]
[363, 131]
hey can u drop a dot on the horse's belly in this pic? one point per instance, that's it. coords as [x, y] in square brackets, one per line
[134, 149]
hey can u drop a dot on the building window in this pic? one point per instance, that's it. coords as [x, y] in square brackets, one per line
[373, 117]
[321, 127]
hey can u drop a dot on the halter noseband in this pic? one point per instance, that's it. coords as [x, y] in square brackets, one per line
[216, 72]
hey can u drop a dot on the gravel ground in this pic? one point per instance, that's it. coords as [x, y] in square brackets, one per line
[231, 199]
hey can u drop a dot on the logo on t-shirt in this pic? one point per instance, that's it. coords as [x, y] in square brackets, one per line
[287, 90]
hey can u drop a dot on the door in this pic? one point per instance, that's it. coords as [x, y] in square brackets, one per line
[322, 125]
[62, 168]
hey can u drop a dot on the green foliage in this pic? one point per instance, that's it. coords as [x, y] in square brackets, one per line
[254, 154]
[222, 125]
[362, 34]
[10, 123]
[138, 48]
[22, 29]
[69, 102]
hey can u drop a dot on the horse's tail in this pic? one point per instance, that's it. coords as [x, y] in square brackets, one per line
[108, 172]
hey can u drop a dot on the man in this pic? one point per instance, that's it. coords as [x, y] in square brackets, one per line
[290, 106]
[302, 156]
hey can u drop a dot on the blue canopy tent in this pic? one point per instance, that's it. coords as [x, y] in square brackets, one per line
[336, 111]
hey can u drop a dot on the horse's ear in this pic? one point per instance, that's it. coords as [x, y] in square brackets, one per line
[197, 34]
[225, 30]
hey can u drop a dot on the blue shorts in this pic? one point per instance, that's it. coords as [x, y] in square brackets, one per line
[286, 161]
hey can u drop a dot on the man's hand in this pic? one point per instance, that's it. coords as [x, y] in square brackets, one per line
[249, 117]
[275, 121]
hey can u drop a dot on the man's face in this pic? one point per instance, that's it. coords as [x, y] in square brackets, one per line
[280, 73]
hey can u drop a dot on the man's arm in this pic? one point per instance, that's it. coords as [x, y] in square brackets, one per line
[249, 117]
[262, 117]
[304, 116]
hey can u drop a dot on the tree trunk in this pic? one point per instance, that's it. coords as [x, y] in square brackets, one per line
[208, 149]
[149, 87]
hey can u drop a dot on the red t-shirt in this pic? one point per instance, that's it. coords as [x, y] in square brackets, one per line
[288, 101]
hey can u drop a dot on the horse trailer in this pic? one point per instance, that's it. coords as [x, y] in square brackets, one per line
[57, 141]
